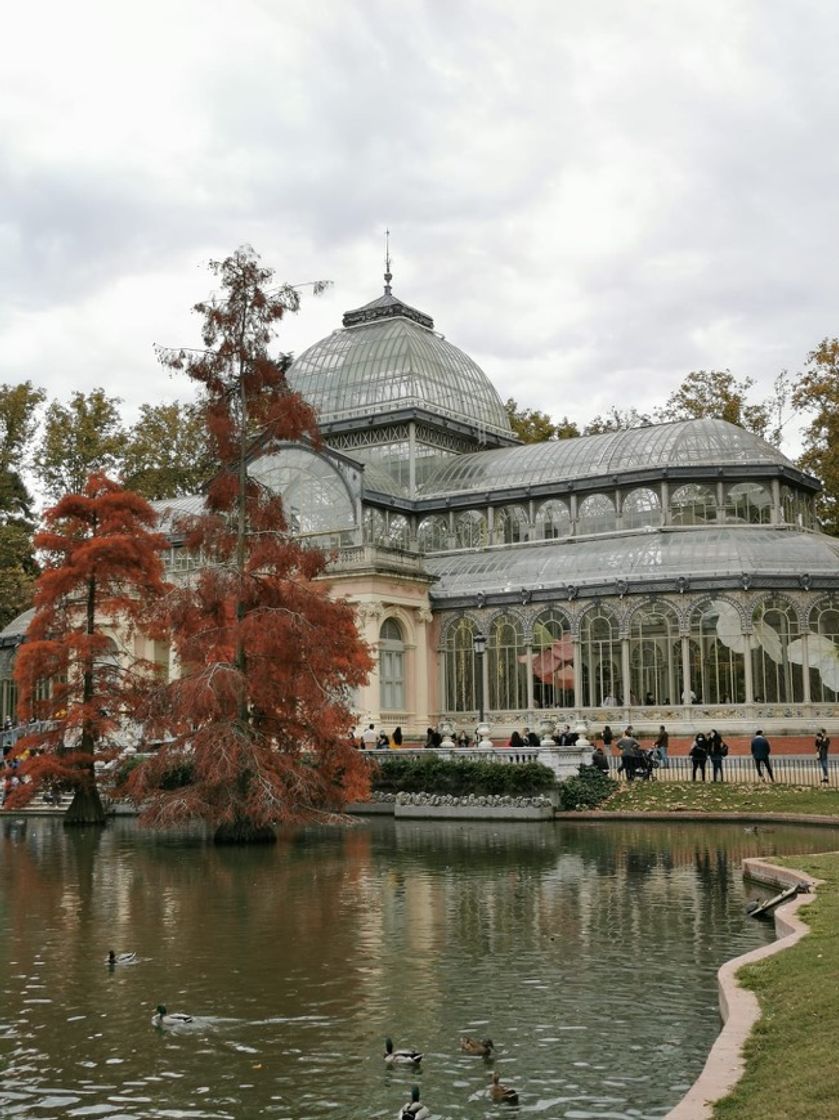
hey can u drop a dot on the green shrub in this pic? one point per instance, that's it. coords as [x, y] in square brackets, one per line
[432, 774]
[587, 790]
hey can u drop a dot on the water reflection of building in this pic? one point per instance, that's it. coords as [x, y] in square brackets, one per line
[670, 573]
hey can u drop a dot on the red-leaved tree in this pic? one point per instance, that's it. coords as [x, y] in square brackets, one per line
[77, 677]
[257, 717]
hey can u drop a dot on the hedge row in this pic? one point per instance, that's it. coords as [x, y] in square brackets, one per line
[431, 774]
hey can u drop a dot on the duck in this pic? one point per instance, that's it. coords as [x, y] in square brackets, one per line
[401, 1057]
[413, 1109]
[481, 1046]
[164, 1018]
[120, 958]
[500, 1092]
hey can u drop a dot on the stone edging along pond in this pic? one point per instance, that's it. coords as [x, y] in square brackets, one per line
[739, 1007]
[444, 806]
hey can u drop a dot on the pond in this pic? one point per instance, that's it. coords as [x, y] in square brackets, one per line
[587, 953]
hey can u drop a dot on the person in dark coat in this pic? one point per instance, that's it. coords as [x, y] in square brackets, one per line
[717, 750]
[516, 741]
[822, 747]
[699, 755]
[631, 756]
[599, 760]
[397, 736]
[760, 753]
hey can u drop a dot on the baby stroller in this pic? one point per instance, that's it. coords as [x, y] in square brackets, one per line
[647, 765]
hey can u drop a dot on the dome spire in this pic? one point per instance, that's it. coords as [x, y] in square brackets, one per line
[388, 274]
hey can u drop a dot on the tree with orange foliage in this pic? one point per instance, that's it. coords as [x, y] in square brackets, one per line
[258, 719]
[101, 569]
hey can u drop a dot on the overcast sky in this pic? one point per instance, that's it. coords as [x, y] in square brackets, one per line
[591, 198]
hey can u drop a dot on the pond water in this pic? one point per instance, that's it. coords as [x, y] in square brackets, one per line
[586, 952]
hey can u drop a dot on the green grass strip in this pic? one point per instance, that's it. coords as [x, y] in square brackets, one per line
[723, 797]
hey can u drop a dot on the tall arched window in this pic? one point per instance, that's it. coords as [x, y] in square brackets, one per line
[507, 674]
[654, 656]
[823, 651]
[433, 534]
[375, 526]
[391, 666]
[398, 532]
[693, 504]
[552, 520]
[600, 651]
[461, 688]
[748, 503]
[776, 679]
[641, 507]
[553, 661]
[717, 654]
[470, 529]
[596, 514]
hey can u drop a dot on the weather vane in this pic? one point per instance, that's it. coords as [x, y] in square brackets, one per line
[388, 275]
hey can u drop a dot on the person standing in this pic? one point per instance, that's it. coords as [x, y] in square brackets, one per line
[760, 753]
[607, 737]
[717, 750]
[699, 755]
[822, 747]
[397, 736]
[661, 745]
[630, 750]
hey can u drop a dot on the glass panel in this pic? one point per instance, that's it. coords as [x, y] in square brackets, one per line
[600, 651]
[470, 529]
[654, 656]
[776, 678]
[641, 507]
[717, 648]
[509, 525]
[693, 504]
[596, 514]
[823, 653]
[553, 661]
[433, 534]
[749, 503]
[461, 688]
[553, 519]
[315, 498]
[507, 673]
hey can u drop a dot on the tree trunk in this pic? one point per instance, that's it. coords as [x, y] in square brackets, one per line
[86, 807]
[243, 831]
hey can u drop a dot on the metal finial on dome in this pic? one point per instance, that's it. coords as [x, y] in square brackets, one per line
[388, 275]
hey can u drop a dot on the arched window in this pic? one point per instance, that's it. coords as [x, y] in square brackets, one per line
[433, 534]
[552, 520]
[823, 652]
[507, 674]
[398, 531]
[693, 504]
[641, 507]
[790, 511]
[470, 529]
[315, 498]
[600, 652]
[461, 687]
[553, 661]
[509, 525]
[596, 514]
[375, 526]
[717, 655]
[391, 666]
[776, 678]
[748, 503]
[654, 656]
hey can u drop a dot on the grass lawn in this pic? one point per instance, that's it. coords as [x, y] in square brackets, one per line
[722, 797]
[792, 1071]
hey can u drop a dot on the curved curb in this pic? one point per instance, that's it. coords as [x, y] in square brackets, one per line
[740, 1008]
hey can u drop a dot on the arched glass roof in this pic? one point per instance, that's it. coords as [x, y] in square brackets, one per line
[695, 554]
[395, 361]
[685, 443]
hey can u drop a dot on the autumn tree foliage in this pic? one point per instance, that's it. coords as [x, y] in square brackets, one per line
[101, 570]
[258, 716]
[816, 395]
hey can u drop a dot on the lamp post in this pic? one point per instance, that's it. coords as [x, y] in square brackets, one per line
[479, 644]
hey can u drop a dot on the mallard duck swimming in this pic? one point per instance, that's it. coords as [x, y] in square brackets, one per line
[120, 958]
[413, 1109]
[480, 1046]
[163, 1018]
[401, 1057]
[500, 1092]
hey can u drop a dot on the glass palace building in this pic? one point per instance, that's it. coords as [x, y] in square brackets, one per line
[672, 574]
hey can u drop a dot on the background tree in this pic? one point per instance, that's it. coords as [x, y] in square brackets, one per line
[167, 453]
[102, 569]
[716, 393]
[18, 419]
[81, 437]
[816, 395]
[258, 718]
[616, 420]
[533, 426]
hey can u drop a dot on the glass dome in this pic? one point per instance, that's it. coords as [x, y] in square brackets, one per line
[389, 358]
[684, 443]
